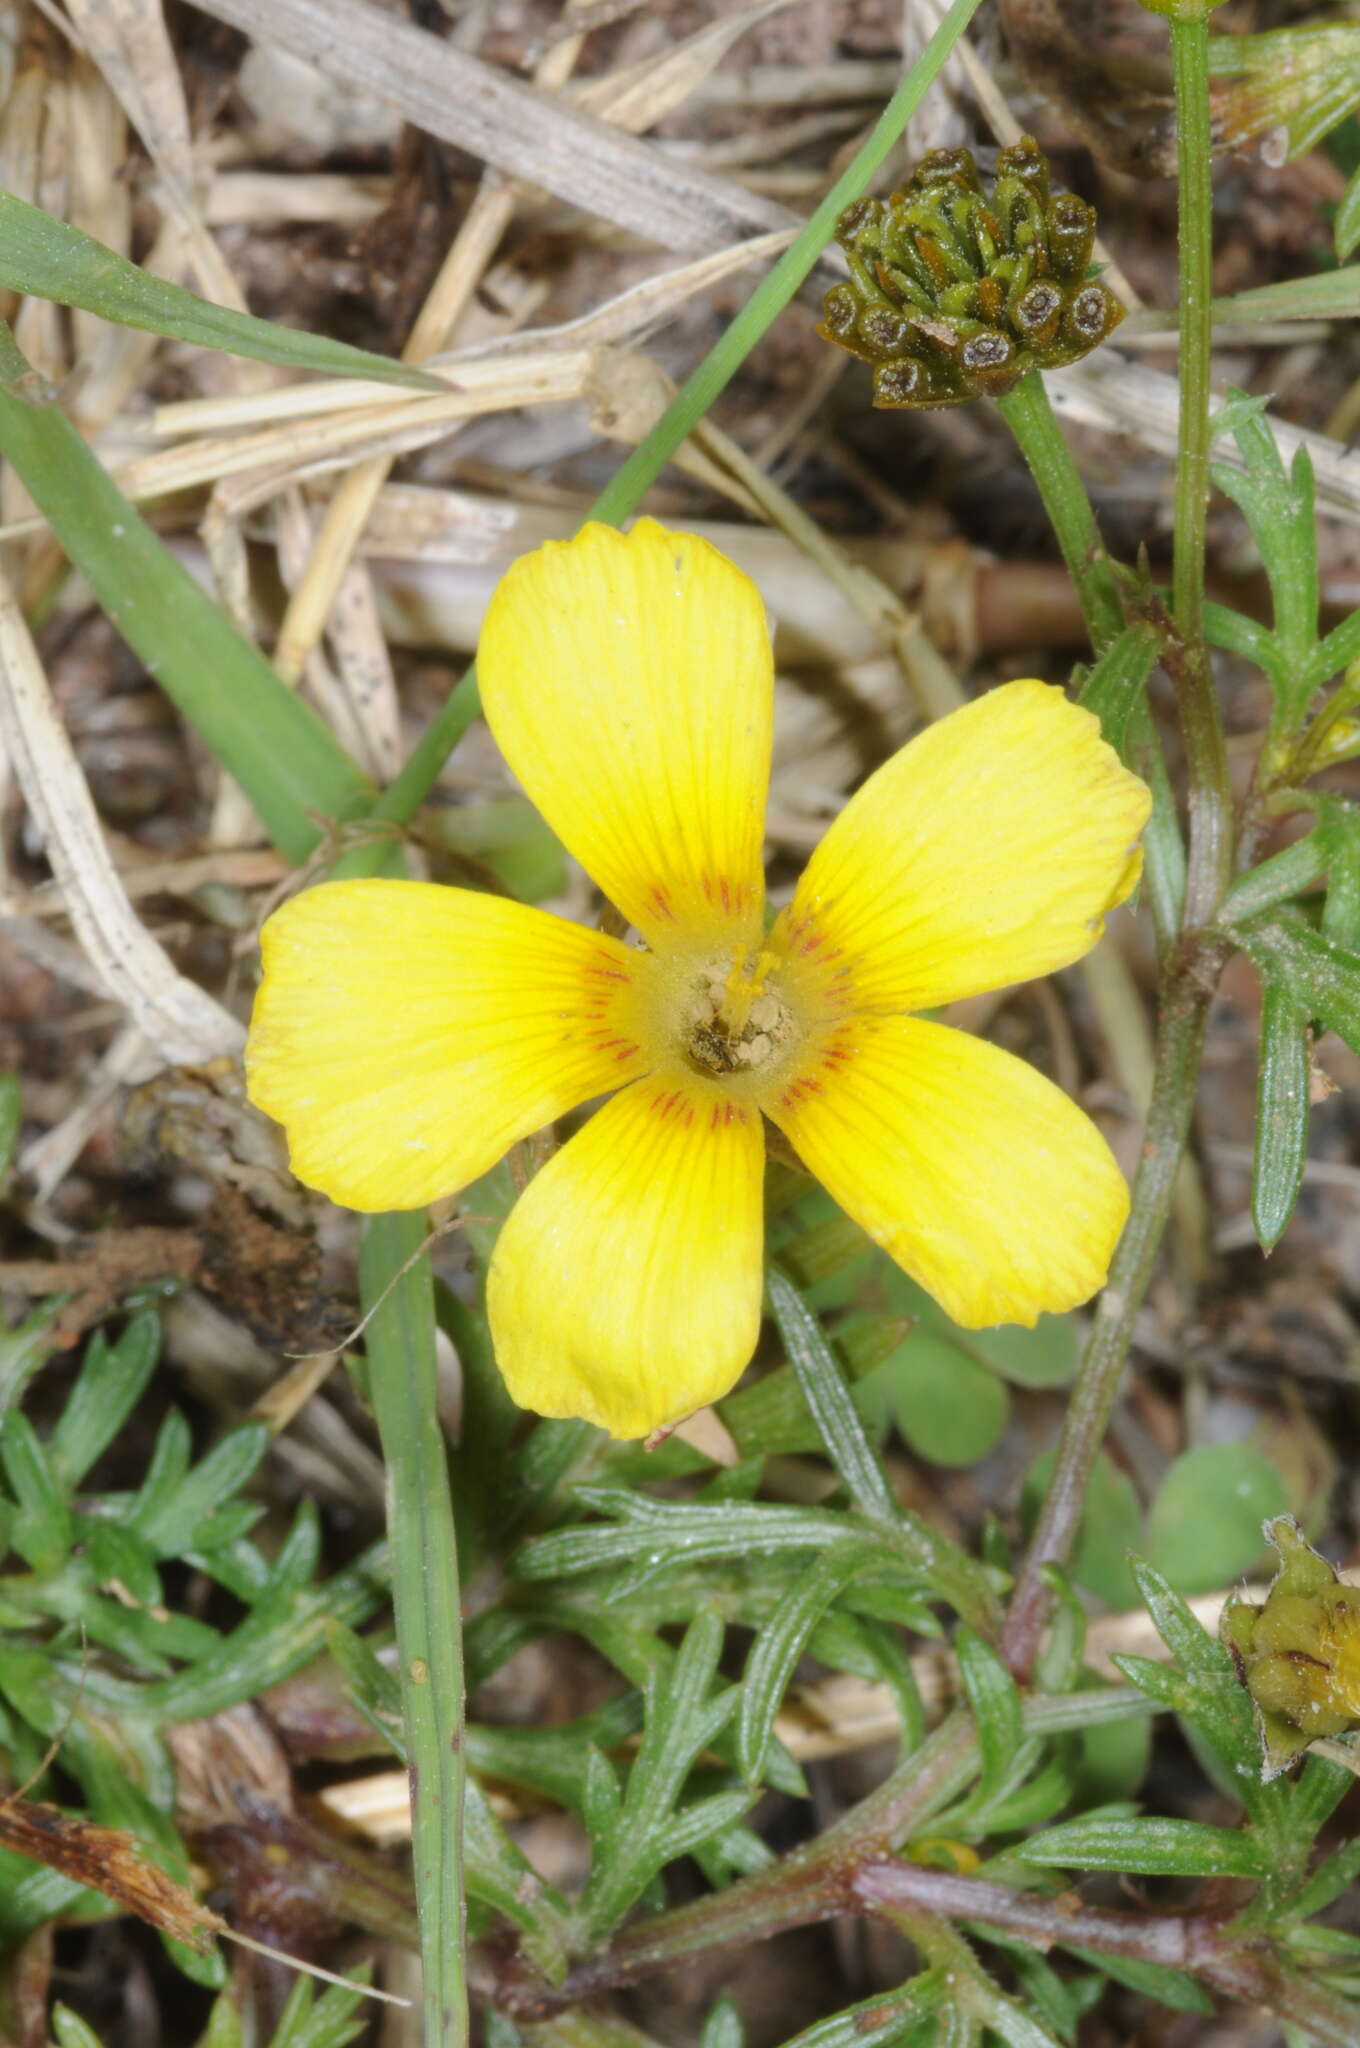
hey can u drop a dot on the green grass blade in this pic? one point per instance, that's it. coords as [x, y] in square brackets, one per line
[280, 752]
[47, 257]
[401, 1363]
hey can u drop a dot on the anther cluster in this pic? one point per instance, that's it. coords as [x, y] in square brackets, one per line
[954, 294]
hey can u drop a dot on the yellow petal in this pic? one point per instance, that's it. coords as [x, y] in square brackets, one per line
[625, 1286]
[971, 1170]
[629, 684]
[406, 1035]
[986, 852]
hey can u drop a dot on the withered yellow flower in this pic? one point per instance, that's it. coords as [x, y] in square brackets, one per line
[1298, 1654]
[407, 1034]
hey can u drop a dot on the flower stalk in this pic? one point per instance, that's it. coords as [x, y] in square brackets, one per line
[1028, 414]
[1192, 971]
[1180, 1043]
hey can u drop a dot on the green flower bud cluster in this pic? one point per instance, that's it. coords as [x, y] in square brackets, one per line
[953, 294]
[1299, 1654]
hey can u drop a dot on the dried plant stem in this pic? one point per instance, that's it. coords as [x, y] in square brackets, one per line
[472, 249]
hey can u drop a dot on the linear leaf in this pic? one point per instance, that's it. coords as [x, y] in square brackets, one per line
[777, 1648]
[1117, 681]
[107, 1390]
[1322, 976]
[49, 258]
[995, 1704]
[825, 1390]
[1150, 1847]
[1154, 1980]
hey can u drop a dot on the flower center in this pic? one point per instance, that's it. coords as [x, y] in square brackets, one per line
[736, 1023]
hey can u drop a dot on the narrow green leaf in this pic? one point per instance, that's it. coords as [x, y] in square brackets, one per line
[723, 2028]
[42, 1531]
[278, 749]
[1322, 976]
[1333, 1876]
[1278, 506]
[425, 1597]
[1346, 228]
[1118, 680]
[1149, 1847]
[889, 2018]
[307, 2021]
[25, 1348]
[1282, 1102]
[11, 1118]
[111, 1382]
[52, 260]
[995, 1703]
[501, 1876]
[71, 2030]
[1201, 1656]
[1153, 1980]
[164, 1475]
[825, 1390]
[1057, 1668]
[677, 1530]
[286, 1627]
[175, 1523]
[683, 1716]
[372, 1687]
[776, 1650]
[1287, 874]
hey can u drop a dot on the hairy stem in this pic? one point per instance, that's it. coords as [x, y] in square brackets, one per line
[1189, 989]
[815, 1882]
[1030, 417]
[1210, 793]
[1191, 974]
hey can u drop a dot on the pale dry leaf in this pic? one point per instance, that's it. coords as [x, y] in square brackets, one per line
[636, 97]
[524, 133]
[1119, 396]
[180, 1020]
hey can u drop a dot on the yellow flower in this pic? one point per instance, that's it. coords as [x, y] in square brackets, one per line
[408, 1034]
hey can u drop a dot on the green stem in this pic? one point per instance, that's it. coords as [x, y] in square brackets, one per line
[1210, 791]
[1185, 1008]
[815, 1882]
[401, 1359]
[1190, 976]
[1029, 416]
